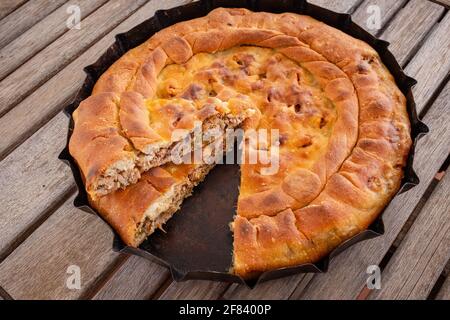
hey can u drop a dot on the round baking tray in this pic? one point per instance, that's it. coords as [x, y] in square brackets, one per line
[197, 241]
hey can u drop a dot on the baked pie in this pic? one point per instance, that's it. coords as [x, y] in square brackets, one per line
[343, 132]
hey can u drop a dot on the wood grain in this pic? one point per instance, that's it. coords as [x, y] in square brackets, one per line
[277, 289]
[70, 237]
[24, 17]
[30, 192]
[32, 177]
[445, 3]
[62, 51]
[418, 262]
[286, 287]
[8, 6]
[410, 26]
[195, 289]
[337, 5]
[51, 97]
[388, 9]
[431, 64]
[33, 180]
[347, 273]
[444, 292]
[137, 279]
[32, 40]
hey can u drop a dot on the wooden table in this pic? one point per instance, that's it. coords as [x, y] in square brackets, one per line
[42, 236]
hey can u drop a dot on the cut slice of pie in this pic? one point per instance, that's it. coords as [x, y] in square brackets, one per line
[322, 116]
[119, 136]
[141, 208]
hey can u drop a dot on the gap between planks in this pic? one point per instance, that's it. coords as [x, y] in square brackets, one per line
[4, 295]
[445, 3]
[366, 292]
[435, 13]
[421, 257]
[8, 6]
[442, 290]
[43, 66]
[182, 290]
[46, 146]
[33, 40]
[25, 17]
[48, 99]
[348, 274]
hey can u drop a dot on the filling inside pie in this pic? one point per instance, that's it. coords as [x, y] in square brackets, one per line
[321, 116]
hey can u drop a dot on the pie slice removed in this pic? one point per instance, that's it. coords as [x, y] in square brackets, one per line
[319, 105]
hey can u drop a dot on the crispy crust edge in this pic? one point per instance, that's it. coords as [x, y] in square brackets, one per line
[373, 171]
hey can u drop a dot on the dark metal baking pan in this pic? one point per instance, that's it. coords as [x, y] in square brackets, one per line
[197, 242]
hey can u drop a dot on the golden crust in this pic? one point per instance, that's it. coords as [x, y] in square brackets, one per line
[130, 211]
[125, 209]
[97, 141]
[345, 132]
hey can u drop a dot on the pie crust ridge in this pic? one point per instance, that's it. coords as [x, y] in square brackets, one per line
[365, 171]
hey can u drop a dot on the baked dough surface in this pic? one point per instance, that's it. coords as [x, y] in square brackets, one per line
[344, 132]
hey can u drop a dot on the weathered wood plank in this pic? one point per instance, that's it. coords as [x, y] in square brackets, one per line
[367, 11]
[30, 195]
[347, 274]
[431, 64]
[284, 287]
[419, 260]
[211, 290]
[337, 5]
[62, 51]
[287, 286]
[195, 289]
[25, 17]
[32, 180]
[51, 97]
[40, 35]
[8, 6]
[38, 268]
[32, 177]
[444, 292]
[137, 279]
[411, 25]
[277, 289]
[445, 3]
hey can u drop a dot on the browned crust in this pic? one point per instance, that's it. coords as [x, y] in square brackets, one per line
[362, 168]
[125, 209]
[112, 136]
[338, 88]
[97, 140]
